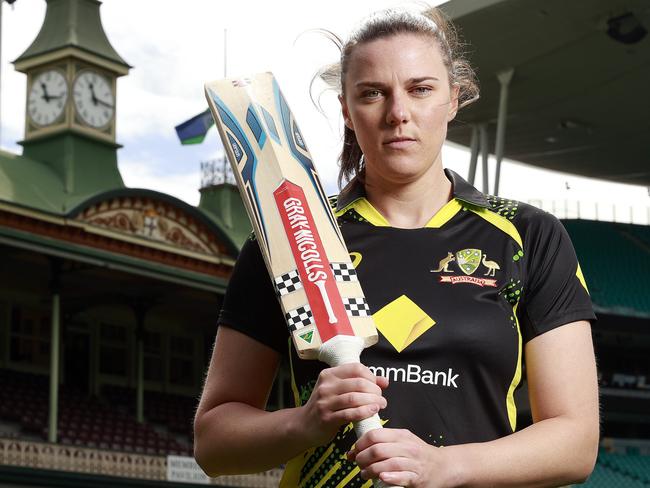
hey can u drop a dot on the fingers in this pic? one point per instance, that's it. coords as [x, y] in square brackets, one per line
[396, 456]
[350, 385]
[339, 386]
[394, 468]
[378, 437]
[342, 394]
[355, 370]
[382, 382]
[399, 478]
[354, 398]
[341, 417]
[348, 400]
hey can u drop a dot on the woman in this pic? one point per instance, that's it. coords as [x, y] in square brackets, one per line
[461, 285]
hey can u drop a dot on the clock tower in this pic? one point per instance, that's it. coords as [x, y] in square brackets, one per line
[71, 71]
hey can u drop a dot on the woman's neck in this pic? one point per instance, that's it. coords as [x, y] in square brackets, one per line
[409, 205]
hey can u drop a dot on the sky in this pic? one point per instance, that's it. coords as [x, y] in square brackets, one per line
[174, 47]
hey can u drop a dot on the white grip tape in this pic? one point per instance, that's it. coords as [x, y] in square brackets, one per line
[361, 427]
[343, 350]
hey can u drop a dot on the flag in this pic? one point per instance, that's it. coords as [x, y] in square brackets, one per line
[193, 131]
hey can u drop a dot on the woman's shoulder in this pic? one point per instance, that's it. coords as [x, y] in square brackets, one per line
[523, 215]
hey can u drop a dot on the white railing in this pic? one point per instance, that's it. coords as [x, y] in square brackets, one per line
[590, 210]
[21, 453]
[216, 172]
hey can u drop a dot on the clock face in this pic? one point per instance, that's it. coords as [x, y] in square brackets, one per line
[93, 98]
[47, 97]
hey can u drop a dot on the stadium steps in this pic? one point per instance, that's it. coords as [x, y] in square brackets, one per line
[83, 420]
[615, 259]
[620, 471]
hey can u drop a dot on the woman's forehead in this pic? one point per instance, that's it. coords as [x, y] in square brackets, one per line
[409, 55]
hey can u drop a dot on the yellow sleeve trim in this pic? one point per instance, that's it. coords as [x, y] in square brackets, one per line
[294, 387]
[581, 277]
[510, 398]
[499, 222]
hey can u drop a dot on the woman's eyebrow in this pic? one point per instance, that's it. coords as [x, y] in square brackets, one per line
[423, 78]
[379, 84]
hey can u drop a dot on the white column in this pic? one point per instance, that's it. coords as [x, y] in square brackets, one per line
[473, 155]
[484, 156]
[55, 266]
[504, 79]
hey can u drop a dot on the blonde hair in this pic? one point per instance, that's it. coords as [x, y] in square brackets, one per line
[433, 23]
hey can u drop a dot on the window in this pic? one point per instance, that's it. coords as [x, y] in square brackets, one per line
[30, 335]
[113, 357]
[153, 362]
[181, 361]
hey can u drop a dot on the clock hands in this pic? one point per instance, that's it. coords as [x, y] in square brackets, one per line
[47, 97]
[92, 93]
[97, 101]
[102, 102]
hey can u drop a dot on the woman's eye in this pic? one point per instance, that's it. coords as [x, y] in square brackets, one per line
[371, 94]
[422, 90]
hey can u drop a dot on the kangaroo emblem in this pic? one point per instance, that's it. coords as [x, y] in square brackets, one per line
[443, 265]
[492, 266]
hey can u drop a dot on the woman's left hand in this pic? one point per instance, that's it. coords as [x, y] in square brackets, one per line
[400, 458]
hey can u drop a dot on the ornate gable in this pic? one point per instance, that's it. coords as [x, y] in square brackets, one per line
[155, 221]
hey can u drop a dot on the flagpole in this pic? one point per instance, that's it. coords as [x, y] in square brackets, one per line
[1, 2]
[225, 52]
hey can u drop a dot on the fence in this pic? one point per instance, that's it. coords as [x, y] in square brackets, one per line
[21, 453]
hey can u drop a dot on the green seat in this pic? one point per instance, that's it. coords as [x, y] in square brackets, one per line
[615, 260]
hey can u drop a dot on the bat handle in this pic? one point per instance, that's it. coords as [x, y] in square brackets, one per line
[344, 349]
[366, 425]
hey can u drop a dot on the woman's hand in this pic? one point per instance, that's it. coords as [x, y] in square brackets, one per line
[341, 395]
[400, 458]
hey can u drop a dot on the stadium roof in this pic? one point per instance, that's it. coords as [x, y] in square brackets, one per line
[578, 100]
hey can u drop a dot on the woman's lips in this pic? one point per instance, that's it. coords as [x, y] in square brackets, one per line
[399, 143]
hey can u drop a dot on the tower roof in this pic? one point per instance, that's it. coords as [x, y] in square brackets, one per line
[72, 25]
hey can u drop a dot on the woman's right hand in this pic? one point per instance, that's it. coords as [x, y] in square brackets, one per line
[342, 394]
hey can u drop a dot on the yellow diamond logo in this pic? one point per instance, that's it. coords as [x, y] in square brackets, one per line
[402, 321]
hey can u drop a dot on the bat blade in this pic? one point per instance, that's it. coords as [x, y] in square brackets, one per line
[302, 246]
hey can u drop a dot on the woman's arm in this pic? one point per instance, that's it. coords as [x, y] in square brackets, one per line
[233, 433]
[559, 448]
[231, 428]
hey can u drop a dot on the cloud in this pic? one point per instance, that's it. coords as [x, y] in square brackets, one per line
[175, 47]
[140, 173]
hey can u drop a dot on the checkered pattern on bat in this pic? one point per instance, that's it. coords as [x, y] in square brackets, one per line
[344, 272]
[287, 283]
[299, 318]
[357, 307]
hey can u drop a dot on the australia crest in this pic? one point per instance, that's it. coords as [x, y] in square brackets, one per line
[467, 261]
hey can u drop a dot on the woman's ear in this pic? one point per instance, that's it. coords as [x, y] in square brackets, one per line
[346, 113]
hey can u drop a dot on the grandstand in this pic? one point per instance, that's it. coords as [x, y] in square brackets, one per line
[108, 422]
[615, 259]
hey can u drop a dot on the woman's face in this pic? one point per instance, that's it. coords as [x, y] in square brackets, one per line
[398, 101]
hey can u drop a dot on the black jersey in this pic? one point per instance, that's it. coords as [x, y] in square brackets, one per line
[454, 302]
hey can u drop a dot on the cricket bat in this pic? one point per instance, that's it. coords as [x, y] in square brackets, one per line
[319, 292]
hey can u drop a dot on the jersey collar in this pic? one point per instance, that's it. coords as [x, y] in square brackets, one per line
[461, 190]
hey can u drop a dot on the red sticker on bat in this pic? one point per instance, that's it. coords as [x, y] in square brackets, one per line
[319, 284]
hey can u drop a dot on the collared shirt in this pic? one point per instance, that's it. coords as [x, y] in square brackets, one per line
[454, 303]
